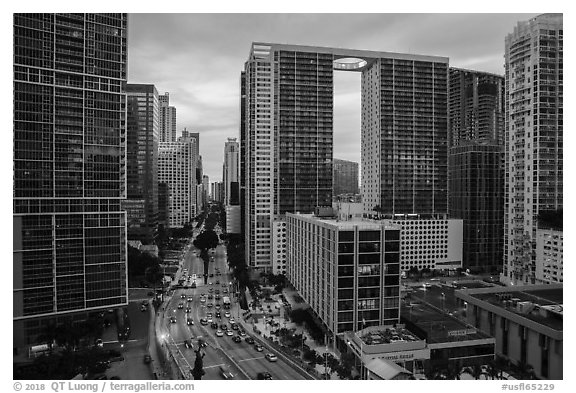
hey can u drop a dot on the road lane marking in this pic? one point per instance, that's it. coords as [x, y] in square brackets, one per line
[215, 365]
[244, 360]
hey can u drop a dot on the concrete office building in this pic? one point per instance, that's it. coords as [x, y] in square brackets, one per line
[167, 119]
[534, 139]
[432, 244]
[217, 192]
[233, 219]
[279, 247]
[527, 322]
[286, 138]
[348, 272]
[344, 177]
[476, 165]
[142, 162]
[549, 256]
[176, 168]
[69, 230]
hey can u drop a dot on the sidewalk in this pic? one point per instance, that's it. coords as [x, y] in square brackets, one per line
[279, 315]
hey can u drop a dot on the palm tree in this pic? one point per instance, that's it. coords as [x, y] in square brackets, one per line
[475, 371]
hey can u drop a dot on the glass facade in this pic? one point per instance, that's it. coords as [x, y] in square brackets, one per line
[477, 197]
[405, 136]
[142, 162]
[69, 163]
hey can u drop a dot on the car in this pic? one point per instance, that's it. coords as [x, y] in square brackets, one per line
[147, 359]
[190, 298]
[182, 297]
[271, 357]
[224, 291]
[242, 333]
[188, 344]
[237, 339]
[202, 300]
[227, 314]
[189, 321]
[249, 340]
[210, 283]
[210, 297]
[225, 372]
[180, 306]
[264, 376]
[172, 319]
[211, 274]
[210, 290]
[232, 320]
[203, 321]
[188, 310]
[229, 333]
[210, 305]
[258, 347]
[217, 306]
[193, 284]
[210, 320]
[224, 326]
[219, 333]
[217, 282]
[214, 325]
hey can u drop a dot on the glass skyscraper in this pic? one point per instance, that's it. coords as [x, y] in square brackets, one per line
[69, 249]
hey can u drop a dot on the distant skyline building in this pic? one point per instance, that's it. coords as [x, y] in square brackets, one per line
[231, 171]
[176, 168]
[205, 189]
[217, 192]
[287, 134]
[345, 177]
[69, 230]
[476, 165]
[142, 162]
[534, 139]
[167, 119]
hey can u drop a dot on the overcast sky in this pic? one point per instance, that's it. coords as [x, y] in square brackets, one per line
[198, 58]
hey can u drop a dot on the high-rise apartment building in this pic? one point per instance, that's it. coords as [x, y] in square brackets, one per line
[287, 134]
[69, 230]
[533, 139]
[476, 165]
[476, 110]
[176, 168]
[142, 162]
[167, 119]
[345, 177]
[230, 171]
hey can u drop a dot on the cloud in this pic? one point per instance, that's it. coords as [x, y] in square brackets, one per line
[198, 59]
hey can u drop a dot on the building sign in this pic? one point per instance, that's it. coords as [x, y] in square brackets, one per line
[461, 332]
[406, 356]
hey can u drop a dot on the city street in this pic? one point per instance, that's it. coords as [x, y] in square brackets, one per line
[220, 350]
